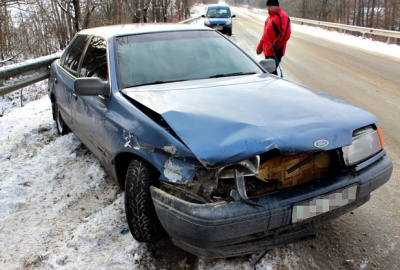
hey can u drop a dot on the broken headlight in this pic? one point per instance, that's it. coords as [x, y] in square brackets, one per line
[366, 143]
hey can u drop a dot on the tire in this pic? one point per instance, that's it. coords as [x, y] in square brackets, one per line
[62, 128]
[141, 215]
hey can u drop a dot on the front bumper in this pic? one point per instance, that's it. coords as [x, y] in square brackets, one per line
[227, 229]
[221, 28]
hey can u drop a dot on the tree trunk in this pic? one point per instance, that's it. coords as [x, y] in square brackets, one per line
[77, 17]
[372, 16]
[88, 13]
[3, 23]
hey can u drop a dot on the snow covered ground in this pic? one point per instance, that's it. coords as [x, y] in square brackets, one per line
[29, 93]
[60, 210]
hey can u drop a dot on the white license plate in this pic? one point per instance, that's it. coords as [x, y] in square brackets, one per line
[323, 204]
[218, 27]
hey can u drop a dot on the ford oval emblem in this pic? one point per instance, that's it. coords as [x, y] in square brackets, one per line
[321, 143]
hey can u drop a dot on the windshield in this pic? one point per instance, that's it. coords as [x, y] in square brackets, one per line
[218, 12]
[178, 56]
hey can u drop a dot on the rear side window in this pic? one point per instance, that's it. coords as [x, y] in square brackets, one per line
[95, 62]
[73, 54]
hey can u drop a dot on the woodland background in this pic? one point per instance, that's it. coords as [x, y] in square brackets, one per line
[33, 28]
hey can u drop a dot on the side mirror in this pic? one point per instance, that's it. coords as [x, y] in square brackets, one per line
[233, 16]
[203, 16]
[268, 64]
[91, 86]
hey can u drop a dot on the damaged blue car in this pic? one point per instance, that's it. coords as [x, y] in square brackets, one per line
[211, 149]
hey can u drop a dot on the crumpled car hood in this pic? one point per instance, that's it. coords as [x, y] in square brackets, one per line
[226, 120]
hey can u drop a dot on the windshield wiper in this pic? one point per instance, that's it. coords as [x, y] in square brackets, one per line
[231, 74]
[158, 82]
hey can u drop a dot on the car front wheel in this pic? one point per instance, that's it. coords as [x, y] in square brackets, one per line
[140, 212]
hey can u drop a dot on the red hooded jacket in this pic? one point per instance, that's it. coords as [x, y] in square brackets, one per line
[276, 33]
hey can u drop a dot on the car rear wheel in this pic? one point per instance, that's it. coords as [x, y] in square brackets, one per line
[62, 128]
[140, 212]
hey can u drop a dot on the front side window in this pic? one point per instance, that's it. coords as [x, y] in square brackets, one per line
[178, 56]
[95, 62]
[73, 53]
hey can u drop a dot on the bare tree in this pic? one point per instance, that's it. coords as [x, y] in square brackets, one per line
[36, 27]
[3, 31]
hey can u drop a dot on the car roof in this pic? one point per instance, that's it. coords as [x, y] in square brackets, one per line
[218, 5]
[139, 28]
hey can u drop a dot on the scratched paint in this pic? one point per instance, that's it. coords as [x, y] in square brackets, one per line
[169, 149]
[129, 137]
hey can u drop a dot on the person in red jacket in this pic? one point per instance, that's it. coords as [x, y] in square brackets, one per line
[276, 33]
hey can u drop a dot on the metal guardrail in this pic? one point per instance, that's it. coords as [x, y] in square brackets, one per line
[192, 20]
[15, 77]
[344, 27]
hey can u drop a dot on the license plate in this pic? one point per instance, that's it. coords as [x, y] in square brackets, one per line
[323, 204]
[218, 27]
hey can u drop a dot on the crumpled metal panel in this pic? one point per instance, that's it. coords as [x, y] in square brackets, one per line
[225, 121]
[177, 170]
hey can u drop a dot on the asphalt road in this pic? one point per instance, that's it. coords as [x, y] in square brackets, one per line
[369, 237]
